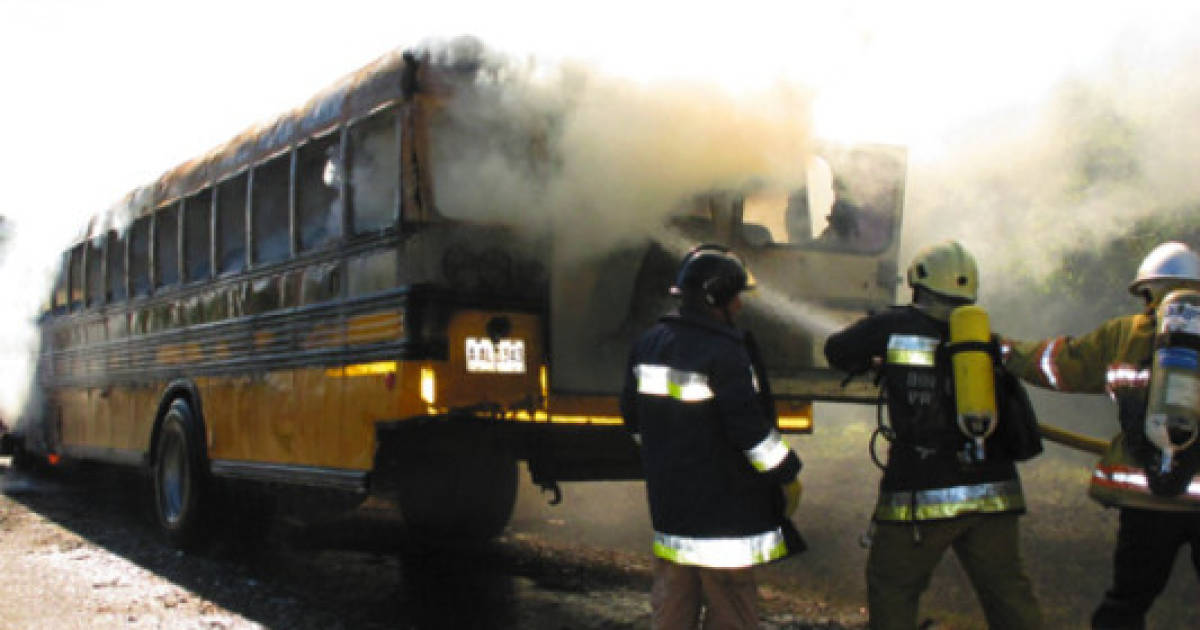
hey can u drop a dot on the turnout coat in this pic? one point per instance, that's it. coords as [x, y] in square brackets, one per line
[1115, 358]
[713, 460]
[925, 478]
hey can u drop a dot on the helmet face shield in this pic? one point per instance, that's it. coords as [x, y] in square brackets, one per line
[946, 269]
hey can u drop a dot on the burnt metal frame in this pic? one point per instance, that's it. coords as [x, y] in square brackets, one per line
[347, 222]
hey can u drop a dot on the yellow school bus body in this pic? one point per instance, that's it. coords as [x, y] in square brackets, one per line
[381, 348]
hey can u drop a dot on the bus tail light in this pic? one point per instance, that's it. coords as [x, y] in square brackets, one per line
[428, 385]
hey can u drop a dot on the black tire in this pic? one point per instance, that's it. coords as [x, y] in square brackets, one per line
[455, 483]
[180, 478]
[21, 460]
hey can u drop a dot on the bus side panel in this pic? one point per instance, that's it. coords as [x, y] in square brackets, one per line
[277, 401]
[219, 402]
[369, 396]
[116, 406]
[320, 403]
[72, 403]
[244, 413]
[144, 399]
[98, 429]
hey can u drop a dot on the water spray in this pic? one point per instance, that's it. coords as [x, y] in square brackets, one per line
[770, 300]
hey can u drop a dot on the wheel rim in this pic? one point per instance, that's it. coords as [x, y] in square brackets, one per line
[173, 478]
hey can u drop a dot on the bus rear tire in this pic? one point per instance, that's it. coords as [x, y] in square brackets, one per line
[180, 480]
[454, 483]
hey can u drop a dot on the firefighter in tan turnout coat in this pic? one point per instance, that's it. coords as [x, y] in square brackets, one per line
[1159, 503]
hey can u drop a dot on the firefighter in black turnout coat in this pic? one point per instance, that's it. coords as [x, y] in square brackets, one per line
[721, 482]
[935, 494]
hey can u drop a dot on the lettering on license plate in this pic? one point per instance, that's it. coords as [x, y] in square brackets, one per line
[506, 356]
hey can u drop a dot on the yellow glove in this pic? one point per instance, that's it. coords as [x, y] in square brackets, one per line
[792, 492]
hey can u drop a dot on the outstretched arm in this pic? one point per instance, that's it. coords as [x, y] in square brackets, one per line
[1065, 363]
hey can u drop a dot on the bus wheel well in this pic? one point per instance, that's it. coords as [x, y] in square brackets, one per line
[176, 390]
[182, 493]
[454, 479]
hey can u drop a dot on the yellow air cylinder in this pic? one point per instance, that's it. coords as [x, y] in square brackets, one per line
[974, 380]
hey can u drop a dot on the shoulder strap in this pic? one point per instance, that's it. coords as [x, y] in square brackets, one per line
[766, 399]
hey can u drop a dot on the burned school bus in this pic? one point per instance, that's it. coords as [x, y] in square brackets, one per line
[294, 312]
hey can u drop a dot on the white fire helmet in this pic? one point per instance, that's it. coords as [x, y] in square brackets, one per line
[1171, 261]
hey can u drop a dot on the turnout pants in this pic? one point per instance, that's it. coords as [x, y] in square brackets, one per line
[1147, 543]
[729, 597]
[899, 569]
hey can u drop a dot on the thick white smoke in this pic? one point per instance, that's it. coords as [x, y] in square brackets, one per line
[1104, 148]
[602, 160]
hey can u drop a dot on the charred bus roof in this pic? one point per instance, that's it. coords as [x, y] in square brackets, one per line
[392, 78]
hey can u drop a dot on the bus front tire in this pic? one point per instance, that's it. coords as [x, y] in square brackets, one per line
[180, 486]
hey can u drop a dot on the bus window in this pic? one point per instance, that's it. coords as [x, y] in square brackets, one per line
[197, 230]
[269, 227]
[318, 192]
[695, 220]
[850, 202]
[231, 225]
[764, 218]
[139, 257]
[374, 172]
[114, 250]
[58, 299]
[166, 246]
[94, 263]
[75, 277]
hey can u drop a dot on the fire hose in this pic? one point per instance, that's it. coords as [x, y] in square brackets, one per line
[1077, 441]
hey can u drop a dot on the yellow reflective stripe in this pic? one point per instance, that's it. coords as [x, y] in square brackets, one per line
[939, 503]
[660, 380]
[911, 350]
[721, 553]
[363, 369]
[768, 453]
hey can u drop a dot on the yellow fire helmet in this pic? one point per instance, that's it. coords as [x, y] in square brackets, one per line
[946, 269]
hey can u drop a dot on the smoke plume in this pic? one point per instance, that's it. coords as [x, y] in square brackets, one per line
[1106, 147]
[601, 160]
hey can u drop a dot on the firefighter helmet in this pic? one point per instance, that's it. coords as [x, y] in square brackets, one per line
[1170, 261]
[713, 272]
[946, 269]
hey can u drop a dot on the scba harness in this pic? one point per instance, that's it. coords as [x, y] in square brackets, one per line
[1009, 433]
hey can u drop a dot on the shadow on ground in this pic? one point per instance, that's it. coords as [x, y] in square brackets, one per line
[321, 577]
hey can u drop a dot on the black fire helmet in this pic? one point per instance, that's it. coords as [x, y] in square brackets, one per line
[714, 273]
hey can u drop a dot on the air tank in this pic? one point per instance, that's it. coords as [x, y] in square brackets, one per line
[974, 379]
[1173, 404]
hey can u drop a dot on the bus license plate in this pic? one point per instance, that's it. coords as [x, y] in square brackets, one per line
[506, 356]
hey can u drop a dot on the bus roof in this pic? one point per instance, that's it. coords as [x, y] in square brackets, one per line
[388, 79]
